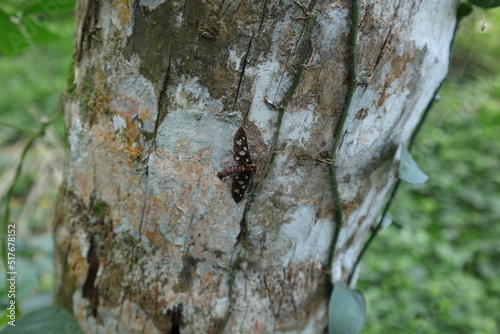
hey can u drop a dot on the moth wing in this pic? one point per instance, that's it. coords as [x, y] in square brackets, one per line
[241, 183]
[240, 148]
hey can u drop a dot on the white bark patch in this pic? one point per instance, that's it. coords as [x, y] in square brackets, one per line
[311, 327]
[333, 23]
[83, 242]
[136, 94]
[179, 19]
[187, 160]
[118, 123]
[120, 14]
[74, 135]
[362, 218]
[221, 307]
[151, 4]
[234, 60]
[366, 137]
[424, 33]
[260, 114]
[189, 93]
[311, 240]
[296, 125]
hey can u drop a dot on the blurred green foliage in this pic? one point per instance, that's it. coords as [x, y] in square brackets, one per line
[35, 54]
[436, 269]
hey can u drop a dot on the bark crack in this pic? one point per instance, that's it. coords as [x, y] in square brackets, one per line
[144, 201]
[242, 75]
[187, 261]
[162, 101]
[175, 316]
[219, 13]
[262, 19]
[382, 49]
[193, 210]
[90, 291]
[120, 312]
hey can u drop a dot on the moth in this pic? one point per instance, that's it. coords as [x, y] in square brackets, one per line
[244, 168]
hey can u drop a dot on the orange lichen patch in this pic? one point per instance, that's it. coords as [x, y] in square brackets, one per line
[126, 142]
[259, 327]
[124, 11]
[154, 213]
[130, 114]
[83, 178]
[327, 210]
[146, 115]
[361, 114]
[130, 108]
[189, 169]
[130, 134]
[208, 279]
[399, 66]
[76, 262]
[98, 102]
[149, 229]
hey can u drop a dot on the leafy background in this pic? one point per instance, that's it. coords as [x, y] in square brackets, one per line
[434, 270]
[35, 54]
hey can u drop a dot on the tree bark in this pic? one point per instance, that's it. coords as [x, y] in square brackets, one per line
[148, 239]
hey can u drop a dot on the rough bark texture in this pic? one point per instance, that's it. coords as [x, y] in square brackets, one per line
[148, 239]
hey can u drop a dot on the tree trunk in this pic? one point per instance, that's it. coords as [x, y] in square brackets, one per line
[148, 239]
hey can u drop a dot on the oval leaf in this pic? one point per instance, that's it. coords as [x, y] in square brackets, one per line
[386, 221]
[463, 10]
[485, 3]
[346, 311]
[408, 169]
[45, 320]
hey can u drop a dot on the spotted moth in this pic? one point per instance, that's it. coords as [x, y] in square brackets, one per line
[244, 168]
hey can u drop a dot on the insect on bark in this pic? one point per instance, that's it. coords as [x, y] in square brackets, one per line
[244, 168]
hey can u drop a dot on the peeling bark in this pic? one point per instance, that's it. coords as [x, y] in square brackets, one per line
[148, 239]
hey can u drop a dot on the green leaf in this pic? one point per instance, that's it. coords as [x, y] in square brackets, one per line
[49, 8]
[408, 169]
[463, 10]
[386, 221]
[485, 3]
[12, 40]
[38, 31]
[346, 311]
[48, 320]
